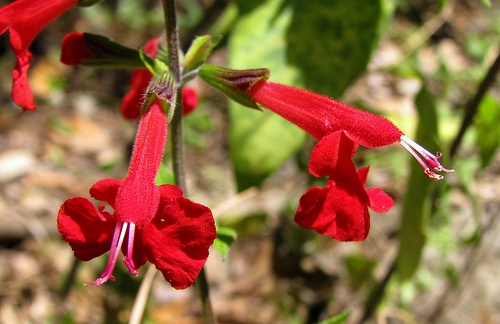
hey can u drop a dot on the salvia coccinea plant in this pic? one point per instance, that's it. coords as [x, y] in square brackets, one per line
[147, 222]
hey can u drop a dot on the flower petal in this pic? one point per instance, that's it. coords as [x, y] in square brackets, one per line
[25, 19]
[380, 202]
[87, 231]
[106, 190]
[178, 238]
[331, 150]
[334, 211]
[22, 94]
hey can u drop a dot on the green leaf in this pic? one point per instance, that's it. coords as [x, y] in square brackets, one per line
[487, 129]
[416, 205]
[331, 42]
[225, 237]
[164, 176]
[487, 3]
[260, 142]
[337, 319]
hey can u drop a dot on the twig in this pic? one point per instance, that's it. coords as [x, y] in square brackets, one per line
[419, 37]
[473, 105]
[142, 296]
[377, 294]
[66, 288]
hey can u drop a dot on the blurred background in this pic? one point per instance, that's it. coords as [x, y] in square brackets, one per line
[431, 67]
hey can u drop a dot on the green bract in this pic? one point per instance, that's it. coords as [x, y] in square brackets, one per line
[198, 52]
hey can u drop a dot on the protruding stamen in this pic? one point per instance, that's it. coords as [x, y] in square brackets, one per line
[128, 259]
[425, 158]
[116, 244]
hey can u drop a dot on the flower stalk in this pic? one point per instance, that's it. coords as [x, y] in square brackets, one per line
[177, 140]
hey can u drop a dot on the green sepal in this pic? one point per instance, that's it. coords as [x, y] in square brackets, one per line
[162, 56]
[198, 52]
[233, 83]
[109, 54]
[161, 86]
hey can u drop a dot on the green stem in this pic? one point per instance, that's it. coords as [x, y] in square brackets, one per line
[172, 38]
[176, 134]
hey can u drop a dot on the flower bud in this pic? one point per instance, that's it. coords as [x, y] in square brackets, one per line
[233, 83]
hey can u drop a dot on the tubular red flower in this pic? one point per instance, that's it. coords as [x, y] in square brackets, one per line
[319, 116]
[150, 223]
[25, 19]
[341, 208]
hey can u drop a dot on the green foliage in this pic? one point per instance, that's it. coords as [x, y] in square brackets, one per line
[416, 205]
[359, 269]
[278, 35]
[225, 237]
[487, 3]
[260, 142]
[197, 126]
[331, 42]
[164, 176]
[487, 129]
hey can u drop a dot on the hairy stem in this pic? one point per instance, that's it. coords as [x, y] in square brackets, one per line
[176, 135]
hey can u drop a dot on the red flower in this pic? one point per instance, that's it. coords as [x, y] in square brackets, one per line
[132, 101]
[319, 116]
[341, 208]
[189, 100]
[75, 51]
[150, 223]
[25, 19]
